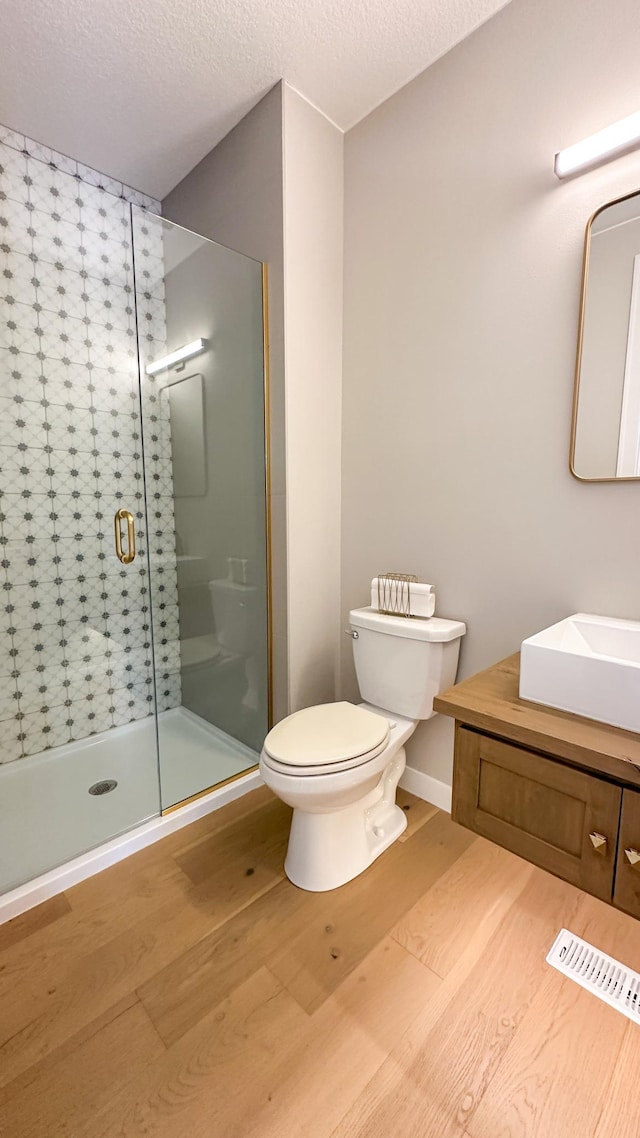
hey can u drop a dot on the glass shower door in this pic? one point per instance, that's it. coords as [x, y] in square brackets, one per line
[200, 338]
[78, 757]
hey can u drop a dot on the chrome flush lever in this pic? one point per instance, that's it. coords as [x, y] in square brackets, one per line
[352, 633]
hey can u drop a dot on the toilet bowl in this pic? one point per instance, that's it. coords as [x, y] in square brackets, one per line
[338, 765]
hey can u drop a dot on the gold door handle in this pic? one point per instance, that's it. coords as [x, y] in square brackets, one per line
[599, 842]
[632, 856]
[125, 516]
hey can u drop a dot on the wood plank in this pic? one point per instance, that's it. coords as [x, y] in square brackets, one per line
[240, 849]
[58, 1094]
[102, 907]
[239, 810]
[566, 1030]
[481, 882]
[417, 810]
[54, 1003]
[180, 995]
[489, 701]
[620, 1115]
[336, 930]
[382, 1046]
[42, 917]
[434, 1080]
[333, 1055]
[214, 1079]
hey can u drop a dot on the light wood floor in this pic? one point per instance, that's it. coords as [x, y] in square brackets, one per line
[191, 991]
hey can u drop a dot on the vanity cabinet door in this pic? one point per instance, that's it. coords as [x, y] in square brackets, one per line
[626, 894]
[553, 815]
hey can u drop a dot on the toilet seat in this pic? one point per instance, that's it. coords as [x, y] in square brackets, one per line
[325, 739]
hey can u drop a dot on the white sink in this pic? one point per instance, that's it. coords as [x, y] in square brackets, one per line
[586, 664]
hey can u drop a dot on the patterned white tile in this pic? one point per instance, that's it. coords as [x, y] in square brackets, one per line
[68, 383]
[132, 703]
[34, 732]
[53, 186]
[43, 158]
[29, 559]
[13, 169]
[169, 691]
[59, 729]
[22, 472]
[63, 339]
[14, 191]
[59, 288]
[106, 216]
[20, 376]
[12, 138]
[18, 281]
[18, 329]
[7, 660]
[8, 701]
[70, 428]
[28, 607]
[10, 743]
[15, 226]
[44, 688]
[95, 180]
[41, 647]
[31, 692]
[49, 195]
[90, 716]
[58, 241]
[23, 516]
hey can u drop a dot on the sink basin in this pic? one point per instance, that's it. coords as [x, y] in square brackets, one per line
[586, 664]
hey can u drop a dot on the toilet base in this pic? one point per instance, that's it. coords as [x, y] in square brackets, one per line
[328, 849]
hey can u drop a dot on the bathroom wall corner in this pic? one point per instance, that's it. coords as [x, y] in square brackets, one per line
[313, 260]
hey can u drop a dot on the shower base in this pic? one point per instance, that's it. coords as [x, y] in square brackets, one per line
[48, 816]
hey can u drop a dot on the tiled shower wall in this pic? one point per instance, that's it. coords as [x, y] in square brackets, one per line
[75, 624]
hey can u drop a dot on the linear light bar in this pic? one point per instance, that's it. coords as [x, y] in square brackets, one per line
[600, 147]
[176, 357]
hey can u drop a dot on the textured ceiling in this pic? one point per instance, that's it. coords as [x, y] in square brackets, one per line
[143, 89]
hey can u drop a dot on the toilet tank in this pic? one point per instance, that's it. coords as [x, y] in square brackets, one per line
[402, 662]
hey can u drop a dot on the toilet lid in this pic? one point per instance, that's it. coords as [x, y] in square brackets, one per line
[328, 733]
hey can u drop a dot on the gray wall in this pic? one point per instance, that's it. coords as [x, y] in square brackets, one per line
[235, 196]
[462, 275]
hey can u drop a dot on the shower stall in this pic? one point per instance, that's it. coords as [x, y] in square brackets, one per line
[134, 639]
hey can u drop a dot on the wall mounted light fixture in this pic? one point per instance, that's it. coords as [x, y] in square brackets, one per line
[608, 143]
[176, 357]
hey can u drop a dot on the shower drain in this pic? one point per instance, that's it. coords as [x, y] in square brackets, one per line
[103, 787]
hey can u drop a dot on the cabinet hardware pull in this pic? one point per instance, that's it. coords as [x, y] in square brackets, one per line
[125, 516]
[632, 856]
[599, 842]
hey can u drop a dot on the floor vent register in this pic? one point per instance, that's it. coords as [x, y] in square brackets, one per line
[599, 973]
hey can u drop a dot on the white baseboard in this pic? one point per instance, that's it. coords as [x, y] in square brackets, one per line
[47, 885]
[427, 787]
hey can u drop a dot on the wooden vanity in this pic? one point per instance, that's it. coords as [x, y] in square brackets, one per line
[559, 790]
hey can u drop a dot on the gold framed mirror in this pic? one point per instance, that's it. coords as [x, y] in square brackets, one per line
[605, 431]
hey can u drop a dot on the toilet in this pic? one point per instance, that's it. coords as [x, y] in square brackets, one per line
[338, 764]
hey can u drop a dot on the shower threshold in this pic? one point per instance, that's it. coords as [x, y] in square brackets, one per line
[49, 819]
